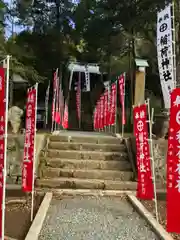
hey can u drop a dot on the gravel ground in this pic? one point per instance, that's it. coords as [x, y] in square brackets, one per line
[17, 216]
[162, 214]
[92, 218]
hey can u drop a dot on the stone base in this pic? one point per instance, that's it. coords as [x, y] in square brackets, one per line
[161, 124]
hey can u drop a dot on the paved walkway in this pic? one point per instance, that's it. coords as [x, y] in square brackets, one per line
[91, 218]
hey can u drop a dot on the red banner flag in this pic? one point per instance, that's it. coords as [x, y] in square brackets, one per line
[78, 98]
[145, 184]
[100, 121]
[112, 107]
[102, 112]
[57, 98]
[121, 81]
[106, 108]
[29, 144]
[58, 114]
[57, 118]
[61, 104]
[66, 117]
[173, 165]
[55, 86]
[98, 114]
[2, 147]
[95, 118]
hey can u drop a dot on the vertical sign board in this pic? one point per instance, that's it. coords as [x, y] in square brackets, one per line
[173, 165]
[165, 53]
[2, 145]
[145, 188]
[28, 160]
[87, 80]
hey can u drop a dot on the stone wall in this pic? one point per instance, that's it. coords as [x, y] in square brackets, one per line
[160, 152]
[15, 145]
[160, 147]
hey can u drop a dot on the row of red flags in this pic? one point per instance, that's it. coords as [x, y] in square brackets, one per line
[145, 183]
[60, 111]
[106, 107]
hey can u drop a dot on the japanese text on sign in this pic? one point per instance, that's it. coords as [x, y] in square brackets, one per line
[27, 172]
[165, 53]
[145, 184]
[173, 164]
[112, 105]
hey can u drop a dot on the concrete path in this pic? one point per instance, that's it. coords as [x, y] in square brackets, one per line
[94, 218]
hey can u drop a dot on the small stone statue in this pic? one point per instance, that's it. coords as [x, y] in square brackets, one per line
[14, 117]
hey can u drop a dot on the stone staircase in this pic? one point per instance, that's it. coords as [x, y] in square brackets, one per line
[85, 161]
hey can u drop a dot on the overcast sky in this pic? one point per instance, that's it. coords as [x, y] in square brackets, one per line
[8, 31]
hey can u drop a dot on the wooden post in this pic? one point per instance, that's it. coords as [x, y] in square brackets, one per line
[140, 81]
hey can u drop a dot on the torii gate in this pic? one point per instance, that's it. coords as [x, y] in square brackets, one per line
[85, 69]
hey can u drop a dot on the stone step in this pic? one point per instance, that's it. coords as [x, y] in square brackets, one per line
[70, 154]
[88, 164]
[86, 146]
[87, 174]
[86, 139]
[76, 183]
